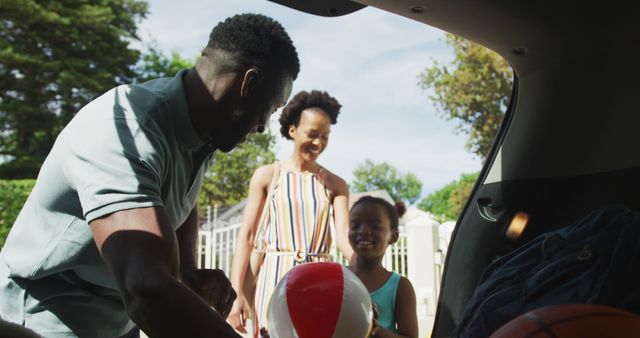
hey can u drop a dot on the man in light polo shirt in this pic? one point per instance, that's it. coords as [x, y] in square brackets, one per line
[107, 238]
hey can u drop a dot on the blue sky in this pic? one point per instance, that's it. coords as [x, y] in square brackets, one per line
[368, 60]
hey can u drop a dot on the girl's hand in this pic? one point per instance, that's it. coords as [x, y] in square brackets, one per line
[239, 313]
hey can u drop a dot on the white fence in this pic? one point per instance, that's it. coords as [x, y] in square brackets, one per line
[216, 248]
[418, 255]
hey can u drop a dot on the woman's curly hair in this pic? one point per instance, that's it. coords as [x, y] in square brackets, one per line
[305, 100]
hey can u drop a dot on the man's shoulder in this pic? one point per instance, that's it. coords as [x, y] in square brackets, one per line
[145, 96]
[123, 101]
[156, 87]
[147, 104]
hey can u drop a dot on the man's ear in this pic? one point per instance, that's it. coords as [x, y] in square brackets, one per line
[292, 130]
[250, 81]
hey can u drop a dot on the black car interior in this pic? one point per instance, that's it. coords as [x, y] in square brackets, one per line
[569, 142]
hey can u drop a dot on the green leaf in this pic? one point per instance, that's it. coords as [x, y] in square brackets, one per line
[447, 203]
[55, 57]
[370, 176]
[13, 193]
[474, 90]
[227, 181]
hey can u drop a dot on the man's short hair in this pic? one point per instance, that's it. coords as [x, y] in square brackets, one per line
[253, 40]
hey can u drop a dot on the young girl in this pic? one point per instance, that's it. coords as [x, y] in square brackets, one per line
[373, 227]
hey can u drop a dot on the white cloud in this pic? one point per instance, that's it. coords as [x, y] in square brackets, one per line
[368, 60]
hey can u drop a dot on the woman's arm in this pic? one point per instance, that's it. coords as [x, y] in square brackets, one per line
[341, 217]
[255, 202]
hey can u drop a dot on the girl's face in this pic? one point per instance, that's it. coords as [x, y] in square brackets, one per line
[370, 230]
[311, 136]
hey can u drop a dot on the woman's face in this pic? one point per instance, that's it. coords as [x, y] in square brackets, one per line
[370, 230]
[311, 136]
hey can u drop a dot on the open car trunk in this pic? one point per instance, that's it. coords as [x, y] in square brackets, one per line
[569, 140]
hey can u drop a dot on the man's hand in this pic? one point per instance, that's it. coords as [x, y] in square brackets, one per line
[213, 286]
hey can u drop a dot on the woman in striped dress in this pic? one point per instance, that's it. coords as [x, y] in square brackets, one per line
[299, 198]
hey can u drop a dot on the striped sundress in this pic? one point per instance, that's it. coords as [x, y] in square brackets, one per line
[294, 230]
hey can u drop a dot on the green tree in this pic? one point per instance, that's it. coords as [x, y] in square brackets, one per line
[447, 203]
[473, 89]
[154, 64]
[383, 176]
[55, 56]
[14, 193]
[227, 181]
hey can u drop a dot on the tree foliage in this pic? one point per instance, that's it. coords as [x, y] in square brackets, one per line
[383, 176]
[14, 193]
[447, 203]
[227, 181]
[473, 89]
[155, 64]
[56, 56]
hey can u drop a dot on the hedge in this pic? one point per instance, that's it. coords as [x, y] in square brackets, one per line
[13, 194]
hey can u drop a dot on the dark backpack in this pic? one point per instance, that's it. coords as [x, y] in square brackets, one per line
[595, 261]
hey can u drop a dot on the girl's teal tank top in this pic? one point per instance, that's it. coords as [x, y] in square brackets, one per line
[385, 299]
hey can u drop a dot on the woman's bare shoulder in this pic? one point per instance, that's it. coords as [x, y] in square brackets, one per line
[332, 181]
[264, 173]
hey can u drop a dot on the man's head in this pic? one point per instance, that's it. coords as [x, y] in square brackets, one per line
[247, 69]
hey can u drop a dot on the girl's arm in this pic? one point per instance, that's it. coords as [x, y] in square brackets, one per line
[341, 218]
[255, 202]
[406, 317]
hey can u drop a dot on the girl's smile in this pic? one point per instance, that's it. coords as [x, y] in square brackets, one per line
[369, 230]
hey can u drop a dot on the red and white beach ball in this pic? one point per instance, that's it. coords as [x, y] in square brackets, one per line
[320, 300]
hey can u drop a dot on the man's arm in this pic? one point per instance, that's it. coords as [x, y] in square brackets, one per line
[141, 250]
[211, 284]
[187, 236]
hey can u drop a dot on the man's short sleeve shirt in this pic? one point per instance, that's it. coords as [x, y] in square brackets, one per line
[133, 147]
